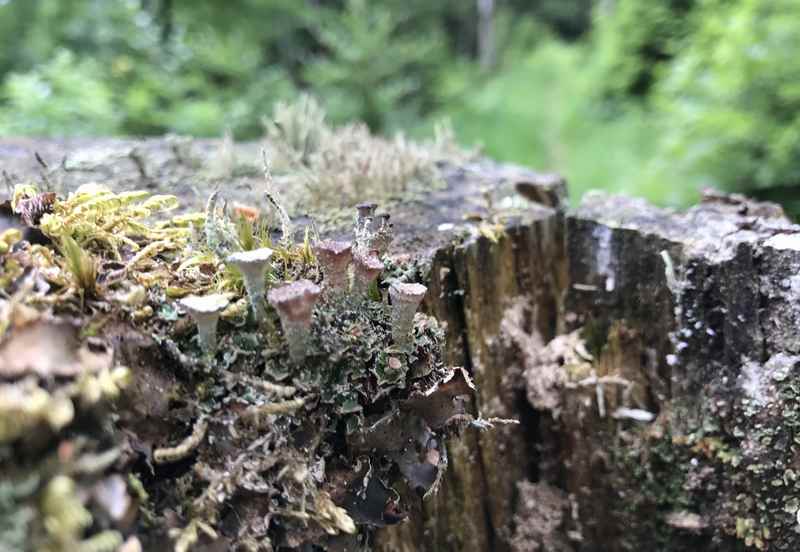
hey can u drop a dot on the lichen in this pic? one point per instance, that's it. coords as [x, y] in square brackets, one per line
[339, 167]
[289, 445]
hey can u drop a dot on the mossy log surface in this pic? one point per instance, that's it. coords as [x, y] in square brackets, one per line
[652, 358]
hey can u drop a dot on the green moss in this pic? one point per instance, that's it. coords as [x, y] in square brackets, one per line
[595, 335]
[652, 474]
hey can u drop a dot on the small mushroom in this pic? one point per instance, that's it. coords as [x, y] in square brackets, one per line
[205, 311]
[253, 264]
[405, 300]
[366, 270]
[334, 258]
[295, 305]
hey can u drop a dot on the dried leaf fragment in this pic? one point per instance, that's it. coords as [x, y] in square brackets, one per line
[50, 347]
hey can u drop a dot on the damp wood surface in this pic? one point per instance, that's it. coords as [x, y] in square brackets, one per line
[651, 357]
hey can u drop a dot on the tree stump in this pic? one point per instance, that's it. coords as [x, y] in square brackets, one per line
[649, 356]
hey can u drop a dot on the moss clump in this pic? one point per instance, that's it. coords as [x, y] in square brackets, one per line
[328, 168]
[652, 476]
[57, 447]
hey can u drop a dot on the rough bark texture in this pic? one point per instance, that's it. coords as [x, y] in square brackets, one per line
[668, 421]
[651, 358]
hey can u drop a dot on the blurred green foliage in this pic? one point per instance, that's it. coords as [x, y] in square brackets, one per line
[155, 66]
[543, 110]
[636, 40]
[660, 100]
[733, 96]
[648, 98]
[392, 69]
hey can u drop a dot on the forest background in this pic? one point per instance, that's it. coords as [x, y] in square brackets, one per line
[656, 98]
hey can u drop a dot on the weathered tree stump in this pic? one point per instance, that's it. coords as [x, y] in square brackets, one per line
[650, 357]
[667, 422]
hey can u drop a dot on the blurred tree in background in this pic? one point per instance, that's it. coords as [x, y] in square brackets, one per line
[733, 95]
[637, 41]
[652, 98]
[373, 66]
[202, 66]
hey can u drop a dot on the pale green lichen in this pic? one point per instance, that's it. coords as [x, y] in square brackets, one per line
[329, 167]
[16, 512]
[65, 518]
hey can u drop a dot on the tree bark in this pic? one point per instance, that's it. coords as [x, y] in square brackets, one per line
[672, 425]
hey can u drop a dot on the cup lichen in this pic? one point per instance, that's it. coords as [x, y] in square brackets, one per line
[405, 300]
[295, 305]
[366, 270]
[253, 265]
[205, 310]
[334, 260]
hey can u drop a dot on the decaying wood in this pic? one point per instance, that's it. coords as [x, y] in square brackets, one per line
[677, 431]
[651, 358]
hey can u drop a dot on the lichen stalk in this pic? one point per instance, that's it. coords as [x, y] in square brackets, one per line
[207, 332]
[364, 211]
[256, 291]
[334, 260]
[365, 271]
[295, 305]
[381, 235]
[405, 301]
[298, 336]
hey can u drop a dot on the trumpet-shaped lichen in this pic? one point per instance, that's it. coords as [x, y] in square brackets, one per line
[365, 271]
[405, 300]
[334, 259]
[253, 265]
[295, 305]
[206, 311]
